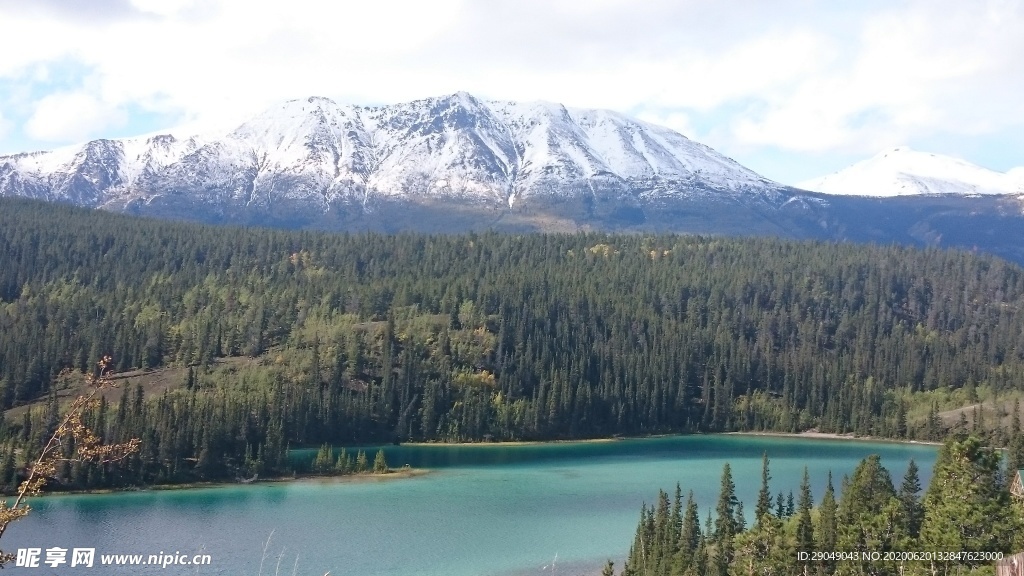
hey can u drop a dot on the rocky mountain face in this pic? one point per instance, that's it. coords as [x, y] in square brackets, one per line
[317, 153]
[456, 163]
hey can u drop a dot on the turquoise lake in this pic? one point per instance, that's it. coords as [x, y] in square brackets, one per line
[487, 510]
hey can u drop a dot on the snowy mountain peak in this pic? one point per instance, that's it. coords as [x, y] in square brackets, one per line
[902, 171]
[316, 152]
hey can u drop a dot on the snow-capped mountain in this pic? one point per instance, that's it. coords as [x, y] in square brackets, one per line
[905, 172]
[317, 153]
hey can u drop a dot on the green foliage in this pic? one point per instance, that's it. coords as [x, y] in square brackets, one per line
[909, 497]
[380, 465]
[804, 525]
[726, 525]
[764, 496]
[870, 516]
[358, 339]
[965, 508]
[828, 524]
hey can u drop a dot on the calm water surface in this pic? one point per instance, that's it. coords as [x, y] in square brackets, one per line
[558, 509]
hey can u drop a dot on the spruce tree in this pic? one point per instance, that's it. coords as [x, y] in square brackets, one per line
[764, 497]
[380, 465]
[870, 516]
[725, 522]
[965, 506]
[690, 537]
[909, 491]
[804, 526]
[828, 532]
[1015, 418]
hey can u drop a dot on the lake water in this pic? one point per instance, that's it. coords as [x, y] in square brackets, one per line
[497, 510]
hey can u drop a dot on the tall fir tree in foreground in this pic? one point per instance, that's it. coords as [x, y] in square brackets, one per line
[966, 506]
[726, 526]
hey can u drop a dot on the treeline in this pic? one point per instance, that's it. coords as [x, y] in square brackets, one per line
[963, 522]
[374, 338]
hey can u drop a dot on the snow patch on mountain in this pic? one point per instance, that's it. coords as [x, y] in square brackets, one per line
[903, 172]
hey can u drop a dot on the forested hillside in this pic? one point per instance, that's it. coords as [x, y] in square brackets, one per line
[368, 338]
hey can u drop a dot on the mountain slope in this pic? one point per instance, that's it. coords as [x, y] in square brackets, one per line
[904, 172]
[315, 153]
[456, 163]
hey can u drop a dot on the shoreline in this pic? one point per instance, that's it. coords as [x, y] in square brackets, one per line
[534, 442]
[405, 473]
[396, 474]
[811, 435]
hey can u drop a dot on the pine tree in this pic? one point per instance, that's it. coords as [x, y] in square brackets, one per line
[965, 507]
[324, 460]
[828, 532]
[344, 463]
[741, 520]
[934, 423]
[690, 538]
[870, 516]
[804, 526]
[909, 490]
[380, 465]
[901, 420]
[725, 523]
[1015, 418]
[764, 497]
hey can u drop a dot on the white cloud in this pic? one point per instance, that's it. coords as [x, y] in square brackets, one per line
[71, 116]
[162, 7]
[789, 75]
[917, 70]
[5, 126]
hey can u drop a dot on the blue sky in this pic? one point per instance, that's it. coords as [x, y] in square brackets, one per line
[791, 88]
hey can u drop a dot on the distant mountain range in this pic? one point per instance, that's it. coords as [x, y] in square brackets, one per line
[318, 153]
[457, 163]
[905, 172]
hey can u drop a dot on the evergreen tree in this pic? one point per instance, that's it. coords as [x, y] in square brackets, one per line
[909, 491]
[965, 506]
[725, 522]
[764, 498]
[804, 526]
[870, 516]
[828, 518]
[690, 538]
[380, 465]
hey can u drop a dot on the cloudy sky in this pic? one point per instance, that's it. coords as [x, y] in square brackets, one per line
[791, 88]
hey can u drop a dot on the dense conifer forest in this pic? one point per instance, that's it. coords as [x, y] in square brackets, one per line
[962, 523]
[287, 339]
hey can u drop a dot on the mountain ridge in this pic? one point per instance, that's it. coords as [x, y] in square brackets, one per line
[456, 163]
[319, 152]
